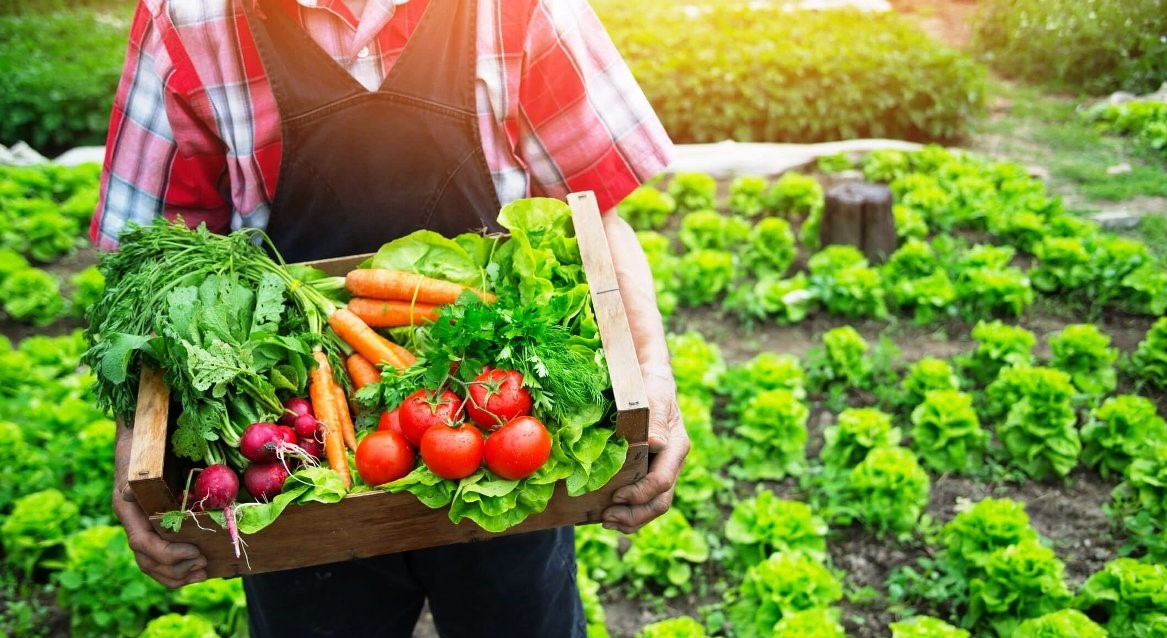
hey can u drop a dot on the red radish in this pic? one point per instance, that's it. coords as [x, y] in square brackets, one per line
[306, 426]
[294, 408]
[314, 448]
[265, 480]
[215, 488]
[261, 442]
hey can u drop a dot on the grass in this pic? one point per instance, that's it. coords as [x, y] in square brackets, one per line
[1089, 169]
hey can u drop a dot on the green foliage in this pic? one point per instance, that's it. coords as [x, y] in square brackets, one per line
[646, 208]
[703, 275]
[819, 622]
[597, 551]
[766, 524]
[973, 535]
[61, 72]
[1094, 46]
[663, 553]
[680, 627]
[760, 73]
[783, 301]
[889, 490]
[1145, 120]
[697, 365]
[795, 196]
[984, 293]
[841, 278]
[916, 282]
[770, 437]
[663, 263]
[1067, 623]
[179, 626]
[692, 191]
[1145, 489]
[1129, 597]
[836, 163]
[842, 360]
[88, 285]
[747, 196]
[783, 584]
[589, 594]
[32, 296]
[1150, 358]
[771, 247]
[219, 600]
[34, 533]
[998, 345]
[709, 229]
[765, 371]
[925, 375]
[925, 627]
[1119, 430]
[103, 589]
[856, 432]
[701, 489]
[1083, 351]
[1020, 581]
[1040, 429]
[946, 432]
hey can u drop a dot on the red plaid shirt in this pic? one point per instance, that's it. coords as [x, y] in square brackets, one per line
[195, 130]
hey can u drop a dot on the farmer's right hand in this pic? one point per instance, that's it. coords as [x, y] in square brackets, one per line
[172, 564]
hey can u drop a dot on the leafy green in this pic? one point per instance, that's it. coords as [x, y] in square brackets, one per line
[593, 608]
[795, 195]
[1020, 581]
[856, 432]
[771, 247]
[1118, 431]
[1150, 358]
[946, 432]
[976, 533]
[998, 345]
[663, 553]
[709, 229]
[765, 371]
[889, 490]
[842, 361]
[646, 208]
[1067, 623]
[219, 600]
[692, 191]
[174, 625]
[925, 375]
[680, 627]
[32, 296]
[34, 532]
[703, 275]
[765, 524]
[783, 584]
[597, 553]
[1084, 351]
[925, 627]
[1040, 428]
[88, 285]
[428, 253]
[1128, 596]
[811, 623]
[747, 196]
[770, 437]
[841, 278]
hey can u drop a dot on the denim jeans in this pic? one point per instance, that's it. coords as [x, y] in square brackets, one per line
[509, 587]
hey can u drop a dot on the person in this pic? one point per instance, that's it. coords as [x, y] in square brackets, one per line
[339, 125]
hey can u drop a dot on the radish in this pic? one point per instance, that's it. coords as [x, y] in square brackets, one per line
[265, 480]
[215, 488]
[294, 408]
[262, 442]
[306, 426]
[314, 448]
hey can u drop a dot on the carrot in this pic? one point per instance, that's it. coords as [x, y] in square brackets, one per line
[362, 338]
[382, 313]
[320, 390]
[361, 370]
[347, 430]
[381, 283]
[405, 356]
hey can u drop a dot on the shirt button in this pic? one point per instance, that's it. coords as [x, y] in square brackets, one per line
[363, 53]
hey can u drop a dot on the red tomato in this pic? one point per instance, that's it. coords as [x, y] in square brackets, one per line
[452, 452]
[518, 449]
[384, 456]
[424, 409]
[497, 396]
[391, 421]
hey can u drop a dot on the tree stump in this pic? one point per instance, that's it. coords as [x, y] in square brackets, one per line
[860, 214]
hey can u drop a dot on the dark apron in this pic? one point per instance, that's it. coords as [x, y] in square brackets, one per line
[361, 168]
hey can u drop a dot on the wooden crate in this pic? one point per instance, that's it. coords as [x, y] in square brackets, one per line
[375, 523]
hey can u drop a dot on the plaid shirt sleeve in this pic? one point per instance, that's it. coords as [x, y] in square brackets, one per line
[584, 122]
[161, 158]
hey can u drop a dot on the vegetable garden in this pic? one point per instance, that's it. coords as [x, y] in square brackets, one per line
[966, 438]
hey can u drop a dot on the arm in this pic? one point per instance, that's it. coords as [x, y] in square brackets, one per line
[668, 441]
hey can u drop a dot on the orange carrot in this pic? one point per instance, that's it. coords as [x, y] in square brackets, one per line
[380, 283]
[405, 356]
[320, 390]
[347, 430]
[361, 370]
[383, 313]
[362, 338]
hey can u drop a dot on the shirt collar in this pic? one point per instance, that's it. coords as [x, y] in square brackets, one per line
[372, 20]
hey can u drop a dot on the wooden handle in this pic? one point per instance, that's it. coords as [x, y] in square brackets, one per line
[148, 447]
[615, 333]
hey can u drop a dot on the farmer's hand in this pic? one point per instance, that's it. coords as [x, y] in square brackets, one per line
[172, 564]
[668, 441]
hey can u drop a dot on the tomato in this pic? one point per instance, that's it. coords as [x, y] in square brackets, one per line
[497, 396]
[391, 420]
[384, 456]
[518, 449]
[452, 452]
[424, 409]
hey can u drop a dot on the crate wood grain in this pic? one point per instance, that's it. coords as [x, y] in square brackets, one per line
[375, 523]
